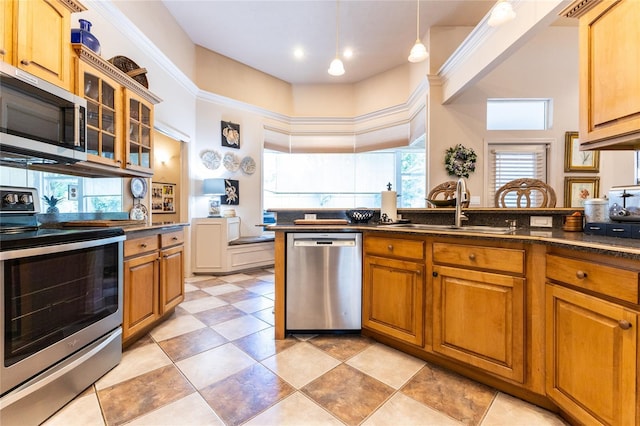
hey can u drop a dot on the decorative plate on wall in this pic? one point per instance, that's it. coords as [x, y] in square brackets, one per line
[248, 165]
[231, 162]
[210, 159]
[138, 187]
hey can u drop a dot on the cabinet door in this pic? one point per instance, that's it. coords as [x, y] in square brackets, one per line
[171, 277]
[610, 74]
[591, 357]
[141, 299]
[478, 318]
[206, 250]
[43, 45]
[393, 298]
[104, 125]
[6, 33]
[139, 145]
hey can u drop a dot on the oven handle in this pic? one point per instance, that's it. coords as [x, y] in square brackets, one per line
[57, 248]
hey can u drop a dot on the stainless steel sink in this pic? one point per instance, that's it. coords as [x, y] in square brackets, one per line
[451, 228]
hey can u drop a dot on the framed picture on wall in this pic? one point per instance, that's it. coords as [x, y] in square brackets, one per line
[576, 160]
[163, 196]
[578, 189]
[230, 134]
[231, 195]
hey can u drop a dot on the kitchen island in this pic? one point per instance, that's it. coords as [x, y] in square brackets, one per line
[545, 315]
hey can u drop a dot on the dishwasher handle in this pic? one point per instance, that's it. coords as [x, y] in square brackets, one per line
[324, 242]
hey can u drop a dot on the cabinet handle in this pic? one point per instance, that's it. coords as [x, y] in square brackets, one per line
[624, 324]
[472, 256]
[175, 238]
[418, 272]
[581, 275]
[3, 52]
[390, 247]
[143, 245]
[25, 62]
[119, 161]
[435, 274]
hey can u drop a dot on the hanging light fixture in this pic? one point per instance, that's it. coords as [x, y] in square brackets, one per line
[336, 67]
[418, 51]
[502, 12]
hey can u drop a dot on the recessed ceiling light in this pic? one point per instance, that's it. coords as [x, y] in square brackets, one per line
[347, 53]
[298, 52]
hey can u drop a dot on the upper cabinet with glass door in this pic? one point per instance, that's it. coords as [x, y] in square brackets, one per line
[35, 37]
[119, 118]
[609, 73]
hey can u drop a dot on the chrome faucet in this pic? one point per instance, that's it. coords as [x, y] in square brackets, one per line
[461, 192]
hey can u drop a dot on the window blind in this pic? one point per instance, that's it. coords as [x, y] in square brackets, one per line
[509, 162]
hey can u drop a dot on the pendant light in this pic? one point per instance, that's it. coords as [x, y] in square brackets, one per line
[502, 12]
[418, 51]
[336, 68]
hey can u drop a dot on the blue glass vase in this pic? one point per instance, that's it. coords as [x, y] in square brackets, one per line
[83, 35]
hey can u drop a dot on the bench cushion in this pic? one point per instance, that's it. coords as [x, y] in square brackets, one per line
[252, 240]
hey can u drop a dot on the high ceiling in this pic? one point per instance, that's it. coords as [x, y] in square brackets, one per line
[263, 34]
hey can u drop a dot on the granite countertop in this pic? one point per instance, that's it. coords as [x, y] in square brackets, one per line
[623, 247]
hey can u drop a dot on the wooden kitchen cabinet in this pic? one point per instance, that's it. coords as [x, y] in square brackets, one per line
[592, 343]
[479, 307]
[119, 118]
[393, 293]
[35, 37]
[153, 280]
[609, 77]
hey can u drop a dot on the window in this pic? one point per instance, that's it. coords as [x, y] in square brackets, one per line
[76, 194]
[518, 114]
[515, 161]
[344, 180]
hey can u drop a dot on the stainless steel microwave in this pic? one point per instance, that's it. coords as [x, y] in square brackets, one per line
[39, 121]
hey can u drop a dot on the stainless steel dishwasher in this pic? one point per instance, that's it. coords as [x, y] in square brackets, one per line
[323, 282]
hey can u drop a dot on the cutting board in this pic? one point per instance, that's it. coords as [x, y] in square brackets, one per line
[320, 222]
[102, 223]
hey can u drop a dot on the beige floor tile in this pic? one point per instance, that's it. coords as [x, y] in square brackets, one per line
[221, 289]
[509, 411]
[270, 295]
[402, 410]
[189, 287]
[295, 410]
[268, 277]
[300, 364]
[198, 278]
[203, 304]
[175, 327]
[266, 315]
[214, 365]
[190, 410]
[235, 278]
[253, 305]
[82, 411]
[388, 365]
[135, 361]
[240, 327]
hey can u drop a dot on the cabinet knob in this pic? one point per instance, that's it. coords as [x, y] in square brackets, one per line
[624, 324]
[25, 62]
[175, 238]
[390, 247]
[472, 256]
[3, 52]
[143, 245]
[119, 161]
[418, 272]
[434, 273]
[581, 275]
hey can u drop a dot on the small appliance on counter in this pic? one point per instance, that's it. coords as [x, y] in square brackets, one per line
[622, 218]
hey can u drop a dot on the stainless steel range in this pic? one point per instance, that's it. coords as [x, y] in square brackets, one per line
[61, 301]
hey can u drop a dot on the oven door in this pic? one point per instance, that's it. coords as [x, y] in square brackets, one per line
[56, 300]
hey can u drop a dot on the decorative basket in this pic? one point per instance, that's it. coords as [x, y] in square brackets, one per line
[130, 68]
[359, 215]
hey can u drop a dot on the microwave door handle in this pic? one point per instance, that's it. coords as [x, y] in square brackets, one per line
[79, 128]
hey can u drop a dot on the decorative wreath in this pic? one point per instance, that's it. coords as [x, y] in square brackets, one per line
[460, 161]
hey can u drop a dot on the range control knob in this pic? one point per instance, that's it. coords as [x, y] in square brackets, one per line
[26, 199]
[10, 198]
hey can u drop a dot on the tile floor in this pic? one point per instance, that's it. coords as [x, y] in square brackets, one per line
[215, 362]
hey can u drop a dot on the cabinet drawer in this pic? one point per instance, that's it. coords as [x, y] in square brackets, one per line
[395, 247]
[608, 280]
[172, 238]
[140, 245]
[496, 259]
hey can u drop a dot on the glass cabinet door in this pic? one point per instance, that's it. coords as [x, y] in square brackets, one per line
[102, 126]
[139, 138]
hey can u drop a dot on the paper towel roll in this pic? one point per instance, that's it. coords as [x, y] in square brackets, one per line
[389, 205]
